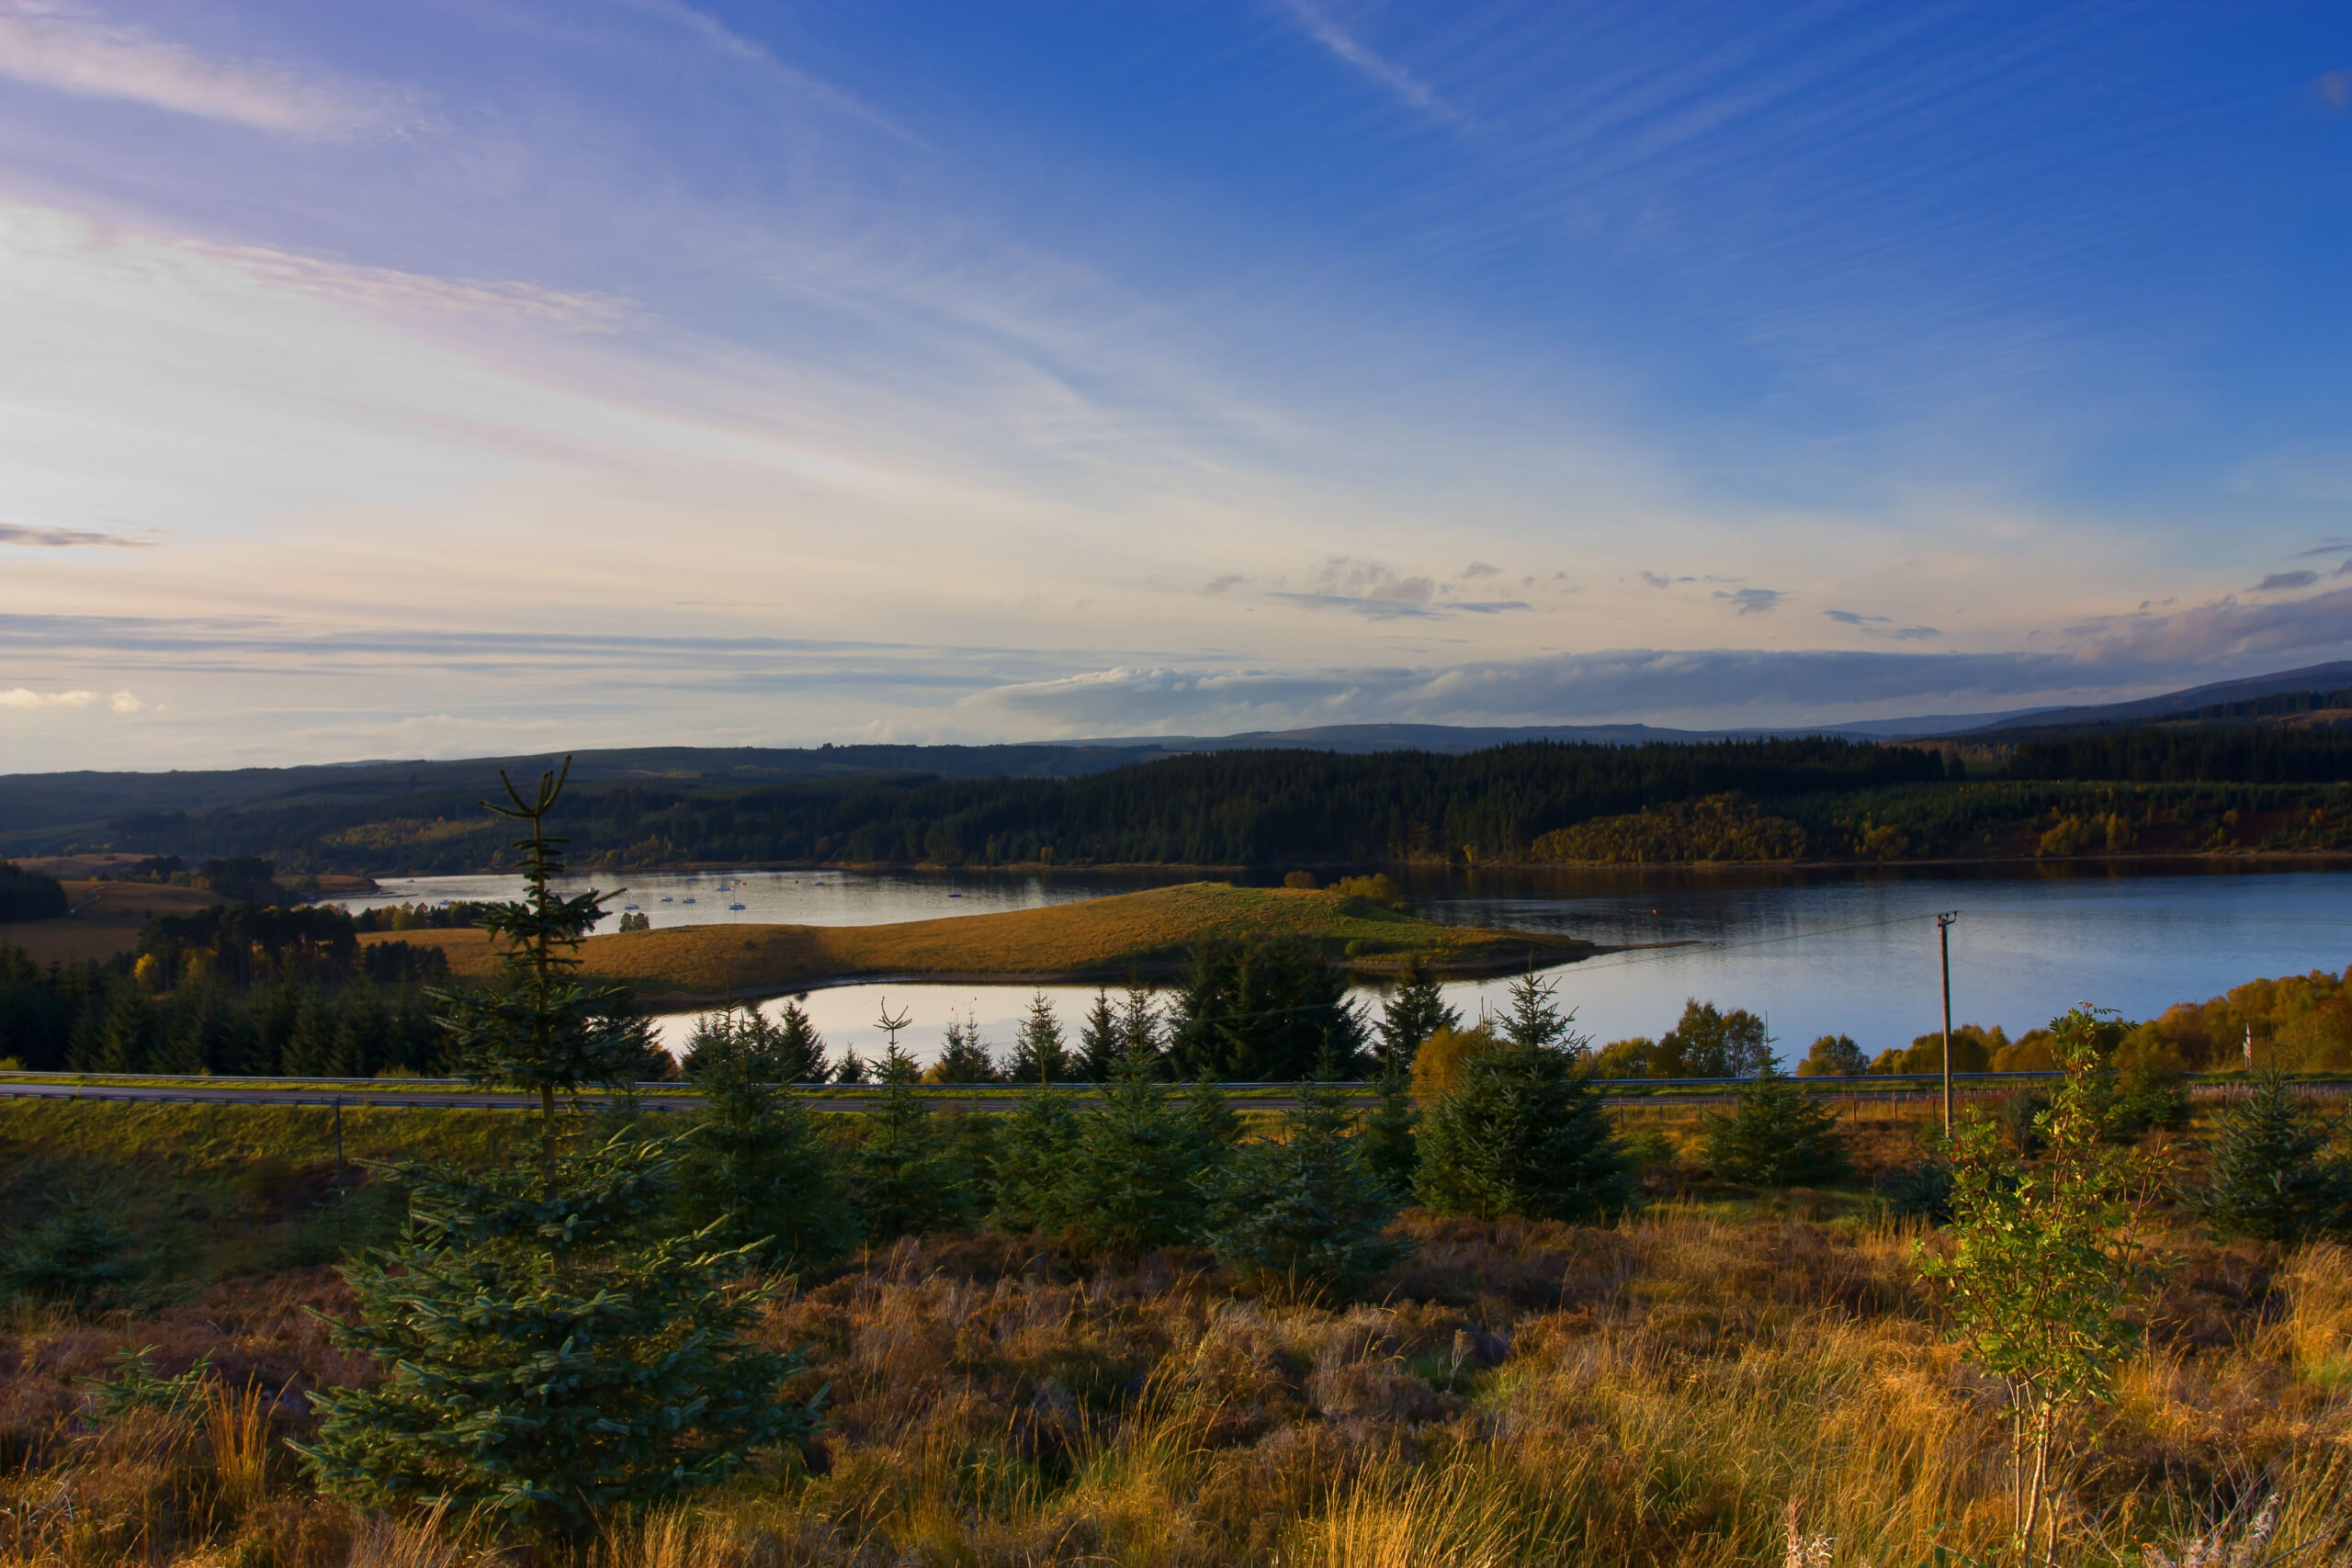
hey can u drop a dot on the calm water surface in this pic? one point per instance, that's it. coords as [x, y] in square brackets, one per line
[1816, 951]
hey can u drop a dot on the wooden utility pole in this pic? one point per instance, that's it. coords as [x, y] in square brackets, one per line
[1943, 940]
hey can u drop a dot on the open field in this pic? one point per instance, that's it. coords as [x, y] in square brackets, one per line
[1657, 1392]
[1144, 934]
[106, 920]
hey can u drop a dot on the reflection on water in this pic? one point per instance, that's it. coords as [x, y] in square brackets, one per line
[1817, 952]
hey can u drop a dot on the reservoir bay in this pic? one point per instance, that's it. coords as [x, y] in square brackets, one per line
[1824, 950]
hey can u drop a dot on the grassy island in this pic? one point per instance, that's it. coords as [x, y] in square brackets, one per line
[1145, 933]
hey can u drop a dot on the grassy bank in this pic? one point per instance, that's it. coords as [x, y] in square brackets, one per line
[1145, 933]
[1660, 1392]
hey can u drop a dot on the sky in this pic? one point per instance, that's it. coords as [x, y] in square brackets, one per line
[451, 379]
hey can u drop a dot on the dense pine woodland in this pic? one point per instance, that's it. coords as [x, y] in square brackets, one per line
[2177, 790]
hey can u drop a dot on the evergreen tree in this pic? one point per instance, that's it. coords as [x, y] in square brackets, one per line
[1390, 1149]
[963, 1058]
[757, 1172]
[2273, 1178]
[1534, 1018]
[799, 1049]
[1039, 1055]
[1139, 1026]
[129, 1031]
[908, 1182]
[1137, 1166]
[1264, 1010]
[543, 1032]
[1033, 1188]
[1302, 1214]
[78, 1257]
[1411, 1013]
[851, 1070]
[1523, 1131]
[552, 1348]
[1215, 1127]
[550, 1353]
[1101, 1041]
[1777, 1135]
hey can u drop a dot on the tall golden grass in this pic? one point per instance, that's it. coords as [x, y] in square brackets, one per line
[1701, 1384]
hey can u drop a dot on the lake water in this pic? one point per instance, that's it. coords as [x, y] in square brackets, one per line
[1833, 950]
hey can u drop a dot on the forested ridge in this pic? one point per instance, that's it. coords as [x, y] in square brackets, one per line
[2147, 791]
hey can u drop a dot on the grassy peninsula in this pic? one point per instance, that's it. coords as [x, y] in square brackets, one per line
[1147, 933]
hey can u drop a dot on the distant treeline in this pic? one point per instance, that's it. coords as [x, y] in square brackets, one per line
[1224, 808]
[27, 894]
[2192, 756]
[1783, 799]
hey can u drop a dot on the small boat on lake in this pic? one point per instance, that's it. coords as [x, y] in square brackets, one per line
[734, 906]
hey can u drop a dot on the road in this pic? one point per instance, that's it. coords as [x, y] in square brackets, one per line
[378, 1093]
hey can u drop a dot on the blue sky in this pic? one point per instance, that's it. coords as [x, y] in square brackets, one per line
[450, 378]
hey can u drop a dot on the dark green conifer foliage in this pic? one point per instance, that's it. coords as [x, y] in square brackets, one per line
[758, 1172]
[1523, 1132]
[1776, 1135]
[783, 1050]
[1032, 1190]
[1216, 1129]
[852, 1069]
[129, 1029]
[543, 1032]
[1101, 1041]
[76, 1257]
[1138, 1164]
[908, 1181]
[552, 1350]
[1301, 1214]
[1139, 1027]
[1390, 1148]
[1040, 1054]
[553, 1345]
[963, 1058]
[1411, 1013]
[2274, 1177]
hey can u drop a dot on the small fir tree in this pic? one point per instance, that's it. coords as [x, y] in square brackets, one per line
[1101, 1041]
[1523, 1132]
[851, 1070]
[1137, 1168]
[2272, 1177]
[552, 1347]
[758, 1173]
[1302, 1214]
[908, 1180]
[1390, 1148]
[76, 1257]
[799, 1049]
[550, 1353]
[1033, 1188]
[543, 1032]
[1039, 1053]
[1413, 1012]
[962, 1057]
[1140, 1034]
[1776, 1135]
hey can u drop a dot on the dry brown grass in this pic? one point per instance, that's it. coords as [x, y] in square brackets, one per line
[1147, 931]
[1655, 1392]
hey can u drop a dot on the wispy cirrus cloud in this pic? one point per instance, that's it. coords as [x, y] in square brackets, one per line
[69, 49]
[2280, 582]
[74, 539]
[1320, 25]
